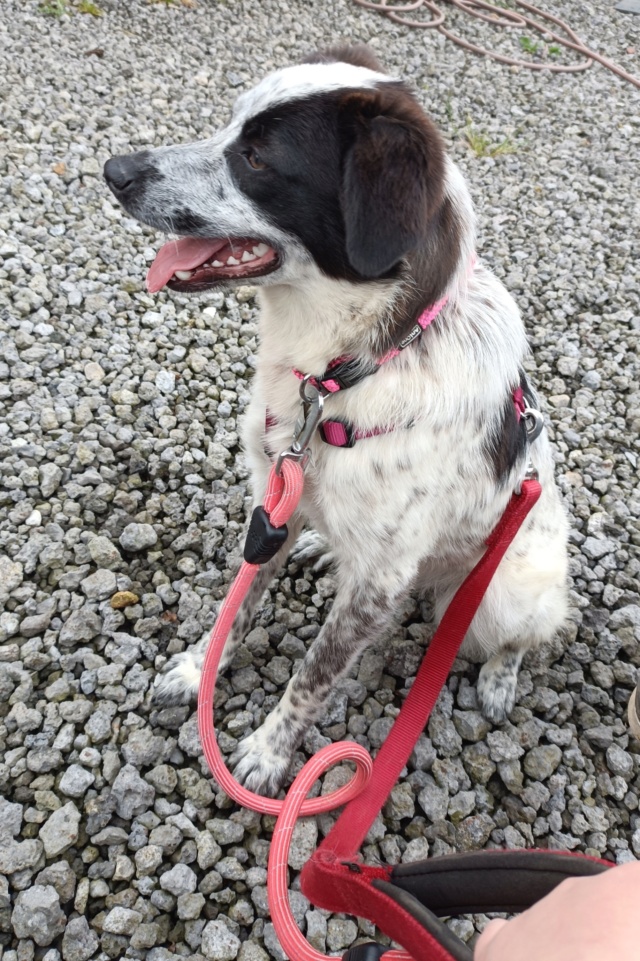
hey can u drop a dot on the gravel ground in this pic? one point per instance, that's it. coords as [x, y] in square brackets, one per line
[122, 487]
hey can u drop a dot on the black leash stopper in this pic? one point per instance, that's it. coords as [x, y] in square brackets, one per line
[263, 539]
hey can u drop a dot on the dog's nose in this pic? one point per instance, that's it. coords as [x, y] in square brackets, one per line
[121, 172]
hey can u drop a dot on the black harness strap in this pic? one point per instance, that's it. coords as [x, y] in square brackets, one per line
[456, 948]
[482, 881]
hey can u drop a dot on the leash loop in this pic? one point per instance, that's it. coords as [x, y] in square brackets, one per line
[366, 790]
[293, 942]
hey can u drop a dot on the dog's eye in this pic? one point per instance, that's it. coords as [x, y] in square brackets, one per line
[254, 160]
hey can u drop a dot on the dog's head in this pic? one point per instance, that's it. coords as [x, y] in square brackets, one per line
[331, 162]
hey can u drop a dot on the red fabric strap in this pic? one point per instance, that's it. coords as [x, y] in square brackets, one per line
[334, 887]
[326, 879]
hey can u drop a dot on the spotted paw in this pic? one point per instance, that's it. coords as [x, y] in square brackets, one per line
[258, 767]
[497, 685]
[179, 681]
[311, 549]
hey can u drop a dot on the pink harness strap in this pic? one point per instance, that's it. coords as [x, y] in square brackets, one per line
[339, 433]
[519, 402]
[426, 317]
[326, 382]
[345, 371]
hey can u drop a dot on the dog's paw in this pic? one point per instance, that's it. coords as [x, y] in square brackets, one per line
[179, 681]
[311, 548]
[258, 767]
[497, 685]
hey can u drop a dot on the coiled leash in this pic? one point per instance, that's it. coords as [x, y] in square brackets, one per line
[404, 901]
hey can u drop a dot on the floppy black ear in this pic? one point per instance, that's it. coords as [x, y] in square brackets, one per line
[393, 177]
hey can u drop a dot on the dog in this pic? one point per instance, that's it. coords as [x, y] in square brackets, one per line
[330, 189]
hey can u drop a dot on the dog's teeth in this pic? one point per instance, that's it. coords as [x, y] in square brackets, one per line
[217, 263]
[232, 262]
[247, 256]
[183, 274]
[260, 250]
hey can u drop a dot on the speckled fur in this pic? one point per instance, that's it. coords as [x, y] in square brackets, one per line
[409, 508]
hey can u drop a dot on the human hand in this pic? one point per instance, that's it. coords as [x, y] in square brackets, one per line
[593, 919]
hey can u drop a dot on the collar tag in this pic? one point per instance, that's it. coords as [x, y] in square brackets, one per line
[411, 336]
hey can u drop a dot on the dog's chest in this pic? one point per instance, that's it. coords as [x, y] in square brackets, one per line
[421, 472]
[431, 411]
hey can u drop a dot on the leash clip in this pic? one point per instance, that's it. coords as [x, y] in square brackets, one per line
[312, 403]
[534, 422]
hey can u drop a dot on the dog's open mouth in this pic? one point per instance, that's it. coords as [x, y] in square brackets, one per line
[194, 264]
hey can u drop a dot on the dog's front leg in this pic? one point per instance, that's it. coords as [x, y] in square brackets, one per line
[362, 612]
[180, 680]
[259, 585]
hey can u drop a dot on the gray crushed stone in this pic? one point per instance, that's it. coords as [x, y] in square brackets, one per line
[123, 489]
[37, 915]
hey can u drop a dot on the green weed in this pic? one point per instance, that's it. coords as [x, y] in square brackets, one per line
[53, 8]
[87, 6]
[483, 146]
[529, 45]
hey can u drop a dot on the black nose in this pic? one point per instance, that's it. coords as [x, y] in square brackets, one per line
[121, 173]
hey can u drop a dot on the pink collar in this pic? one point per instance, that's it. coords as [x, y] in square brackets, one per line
[343, 372]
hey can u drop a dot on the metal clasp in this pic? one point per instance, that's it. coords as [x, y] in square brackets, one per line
[312, 402]
[534, 422]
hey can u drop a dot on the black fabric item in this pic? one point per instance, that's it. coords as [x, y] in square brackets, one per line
[485, 881]
[365, 952]
[436, 928]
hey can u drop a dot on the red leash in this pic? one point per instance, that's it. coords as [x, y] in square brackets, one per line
[330, 878]
[351, 828]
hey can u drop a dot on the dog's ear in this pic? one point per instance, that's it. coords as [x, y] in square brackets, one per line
[393, 177]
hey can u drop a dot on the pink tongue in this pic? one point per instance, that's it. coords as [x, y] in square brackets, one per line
[184, 254]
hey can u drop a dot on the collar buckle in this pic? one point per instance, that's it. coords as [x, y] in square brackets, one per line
[337, 433]
[346, 373]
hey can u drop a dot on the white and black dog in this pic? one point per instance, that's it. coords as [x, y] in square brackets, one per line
[331, 190]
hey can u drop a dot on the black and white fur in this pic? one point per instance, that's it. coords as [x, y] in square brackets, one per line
[371, 222]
